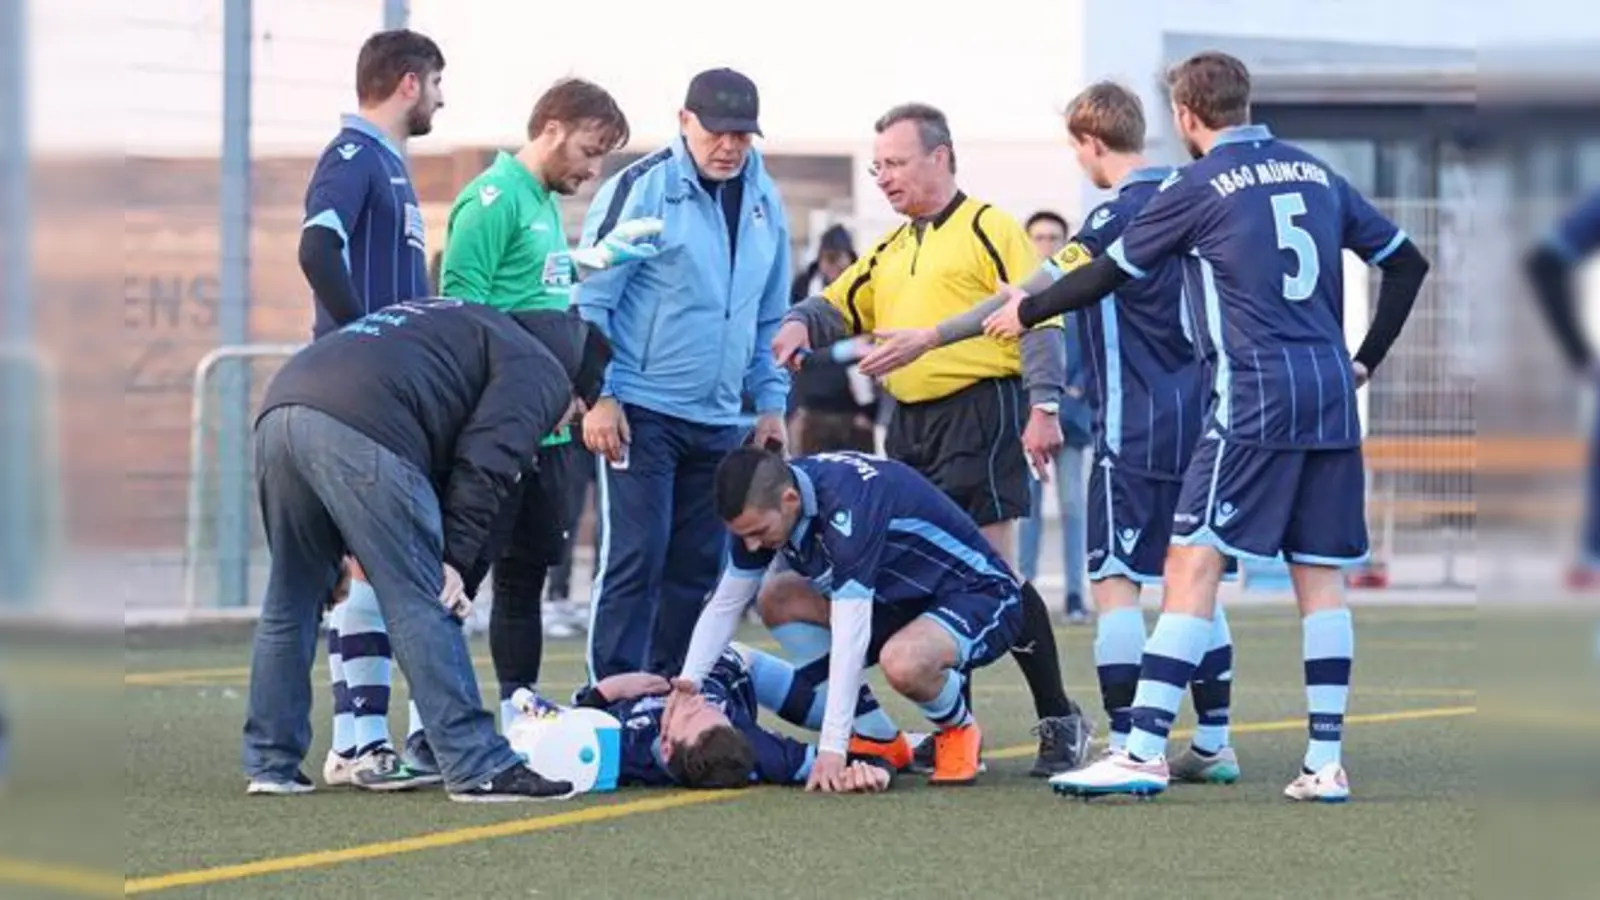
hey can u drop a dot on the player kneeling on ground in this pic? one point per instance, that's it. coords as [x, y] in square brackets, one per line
[707, 735]
[911, 583]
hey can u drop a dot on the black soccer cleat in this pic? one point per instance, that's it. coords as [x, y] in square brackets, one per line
[518, 783]
[1063, 743]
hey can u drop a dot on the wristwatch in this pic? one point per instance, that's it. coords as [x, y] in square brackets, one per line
[1049, 407]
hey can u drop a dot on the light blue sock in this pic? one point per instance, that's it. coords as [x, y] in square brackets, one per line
[1170, 656]
[344, 715]
[949, 708]
[1212, 688]
[799, 695]
[1328, 645]
[1118, 645]
[364, 651]
[802, 642]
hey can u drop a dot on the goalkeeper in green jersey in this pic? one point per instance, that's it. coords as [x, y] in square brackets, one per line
[505, 246]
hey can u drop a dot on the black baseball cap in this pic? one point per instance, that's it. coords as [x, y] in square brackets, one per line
[725, 101]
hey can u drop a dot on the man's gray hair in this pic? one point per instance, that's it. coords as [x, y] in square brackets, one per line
[933, 129]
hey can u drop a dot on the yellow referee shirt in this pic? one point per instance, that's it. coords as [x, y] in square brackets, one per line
[920, 275]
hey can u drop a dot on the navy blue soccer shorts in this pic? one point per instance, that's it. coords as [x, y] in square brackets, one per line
[983, 624]
[1130, 524]
[1254, 502]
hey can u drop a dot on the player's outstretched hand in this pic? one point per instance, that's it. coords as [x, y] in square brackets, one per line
[865, 778]
[1006, 321]
[628, 242]
[791, 345]
[898, 348]
[828, 773]
[1361, 374]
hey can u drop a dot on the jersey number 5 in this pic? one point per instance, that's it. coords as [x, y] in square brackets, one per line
[1291, 237]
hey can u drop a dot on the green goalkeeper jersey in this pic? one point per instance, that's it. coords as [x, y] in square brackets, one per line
[505, 245]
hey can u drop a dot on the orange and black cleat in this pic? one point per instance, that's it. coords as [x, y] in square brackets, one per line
[896, 751]
[957, 755]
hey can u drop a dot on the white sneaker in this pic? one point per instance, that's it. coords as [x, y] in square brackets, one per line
[337, 770]
[1115, 773]
[274, 787]
[1328, 784]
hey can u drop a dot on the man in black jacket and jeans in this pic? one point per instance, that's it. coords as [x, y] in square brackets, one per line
[399, 439]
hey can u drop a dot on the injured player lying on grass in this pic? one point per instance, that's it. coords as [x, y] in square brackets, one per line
[707, 736]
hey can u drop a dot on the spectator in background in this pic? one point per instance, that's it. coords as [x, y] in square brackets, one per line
[691, 327]
[1049, 231]
[835, 406]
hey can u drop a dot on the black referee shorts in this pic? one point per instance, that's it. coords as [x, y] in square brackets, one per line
[969, 444]
[532, 528]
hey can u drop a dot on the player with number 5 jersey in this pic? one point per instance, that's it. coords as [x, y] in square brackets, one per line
[1260, 226]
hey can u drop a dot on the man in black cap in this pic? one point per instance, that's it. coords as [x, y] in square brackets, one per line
[691, 326]
[398, 440]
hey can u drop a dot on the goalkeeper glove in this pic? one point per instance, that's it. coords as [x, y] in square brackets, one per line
[625, 243]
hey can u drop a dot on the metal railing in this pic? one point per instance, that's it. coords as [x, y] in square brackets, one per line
[198, 424]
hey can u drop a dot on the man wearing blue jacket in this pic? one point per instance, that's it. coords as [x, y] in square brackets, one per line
[689, 326]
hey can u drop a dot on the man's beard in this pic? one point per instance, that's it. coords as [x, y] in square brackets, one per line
[1194, 149]
[418, 123]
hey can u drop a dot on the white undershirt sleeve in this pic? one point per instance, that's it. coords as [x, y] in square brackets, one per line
[718, 621]
[850, 620]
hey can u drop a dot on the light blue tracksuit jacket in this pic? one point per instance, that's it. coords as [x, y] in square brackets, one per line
[691, 333]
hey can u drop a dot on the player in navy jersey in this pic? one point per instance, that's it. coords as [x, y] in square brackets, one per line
[708, 735]
[1552, 266]
[1259, 226]
[1146, 387]
[906, 581]
[362, 248]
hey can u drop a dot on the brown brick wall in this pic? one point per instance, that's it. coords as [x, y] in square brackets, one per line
[127, 376]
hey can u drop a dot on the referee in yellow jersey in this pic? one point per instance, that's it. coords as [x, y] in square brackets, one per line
[968, 415]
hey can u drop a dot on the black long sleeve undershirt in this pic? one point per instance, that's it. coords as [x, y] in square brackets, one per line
[1079, 288]
[1551, 275]
[322, 261]
[1403, 272]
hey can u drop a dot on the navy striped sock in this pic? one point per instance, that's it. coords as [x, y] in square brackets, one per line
[344, 715]
[364, 650]
[1118, 645]
[1212, 689]
[1328, 645]
[1170, 656]
[948, 709]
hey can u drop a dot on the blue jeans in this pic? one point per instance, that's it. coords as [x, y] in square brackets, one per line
[661, 543]
[325, 488]
[1069, 482]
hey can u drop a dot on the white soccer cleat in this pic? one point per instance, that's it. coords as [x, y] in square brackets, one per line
[1114, 774]
[337, 770]
[1328, 784]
